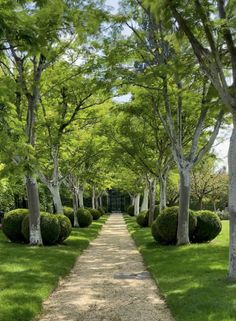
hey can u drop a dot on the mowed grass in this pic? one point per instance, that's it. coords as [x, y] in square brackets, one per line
[29, 274]
[193, 278]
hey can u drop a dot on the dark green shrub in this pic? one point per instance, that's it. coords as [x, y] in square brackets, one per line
[142, 219]
[165, 226]
[11, 225]
[208, 226]
[84, 217]
[101, 210]
[65, 227]
[69, 212]
[155, 233]
[95, 213]
[130, 210]
[49, 225]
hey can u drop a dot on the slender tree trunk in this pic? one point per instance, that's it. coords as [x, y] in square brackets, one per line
[100, 201]
[183, 217]
[152, 200]
[214, 206]
[55, 191]
[136, 204]
[75, 207]
[200, 203]
[34, 210]
[162, 181]
[81, 196]
[132, 198]
[94, 198]
[232, 202]
[144, 206]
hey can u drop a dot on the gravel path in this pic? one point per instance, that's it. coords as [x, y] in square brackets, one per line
[108, 283]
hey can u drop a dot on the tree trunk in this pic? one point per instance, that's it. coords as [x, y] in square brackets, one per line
[214, 206]
[183, 217]
[34, 211]
[81, 196]
[200, 203]
[75, 207]
[162, 181]
[132, 198]
[152, 200]
[55, 191]
[94, 198]
[232, 202]
[144, 206]
[100, 201]
[136, 204]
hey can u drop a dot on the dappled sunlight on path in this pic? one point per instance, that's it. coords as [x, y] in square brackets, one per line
[108, 283]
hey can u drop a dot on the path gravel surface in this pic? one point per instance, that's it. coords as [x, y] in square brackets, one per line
[108, 283]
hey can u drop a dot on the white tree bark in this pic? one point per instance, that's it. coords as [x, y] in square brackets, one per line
[144, 206]
[132, 198]
[162, 181]
[34, 210]
[183, 217]
[232, 203]
[136, 204]
[152, 200]
[81, 196]
[100, 201]
[75, 207]
[55, 192]
[94, 198]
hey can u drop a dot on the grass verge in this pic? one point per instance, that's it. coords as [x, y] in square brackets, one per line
[193, 278]
[29, 274]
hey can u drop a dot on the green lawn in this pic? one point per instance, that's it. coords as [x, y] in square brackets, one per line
[193, 278]
[29, 274]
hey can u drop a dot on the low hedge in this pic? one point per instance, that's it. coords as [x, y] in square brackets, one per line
[208, 226]
[11, 225]
[84, 217]
[49, 225]
[165, 226]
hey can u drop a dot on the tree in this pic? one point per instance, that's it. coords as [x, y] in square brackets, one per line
[28, 36]
[208, 183]
[212, 42]
[162, 68]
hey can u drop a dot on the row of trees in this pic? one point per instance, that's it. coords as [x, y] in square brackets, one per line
[63, 62]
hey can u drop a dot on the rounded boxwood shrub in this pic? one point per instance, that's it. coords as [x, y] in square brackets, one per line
[95, 213]
[11, 225]
[84, 217]
[49, 225]
[165, 226]
[101, 210]
[65, 227]
[130, 210]
[69, 212]
[155, 233]
[208, 226]
[142, 219]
